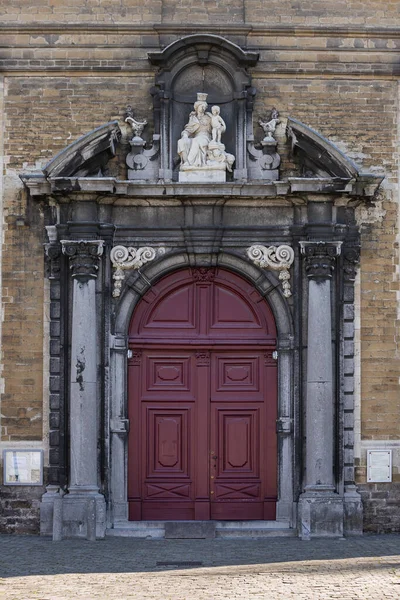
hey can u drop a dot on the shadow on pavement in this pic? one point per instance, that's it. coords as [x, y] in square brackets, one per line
[31, 555]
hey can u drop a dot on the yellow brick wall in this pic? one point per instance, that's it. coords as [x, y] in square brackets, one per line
[257, 12]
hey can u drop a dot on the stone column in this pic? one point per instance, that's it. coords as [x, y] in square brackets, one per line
[320, 508]
[83, 389]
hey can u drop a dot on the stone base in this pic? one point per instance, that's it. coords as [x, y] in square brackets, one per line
[190, 530]
[320, 514]
[353, 513]
[257, 173]
[202, 175]
[73, 514]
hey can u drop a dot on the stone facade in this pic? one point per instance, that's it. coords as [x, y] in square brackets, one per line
[67, 71]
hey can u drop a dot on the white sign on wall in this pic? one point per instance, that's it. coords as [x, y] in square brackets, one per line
[23, 467]
[379, 466]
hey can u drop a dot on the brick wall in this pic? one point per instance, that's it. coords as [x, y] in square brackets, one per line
[275, 12]
[326, 81]
[19, 509]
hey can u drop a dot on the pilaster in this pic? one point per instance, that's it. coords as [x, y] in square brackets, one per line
[83, 488]
[320, 507]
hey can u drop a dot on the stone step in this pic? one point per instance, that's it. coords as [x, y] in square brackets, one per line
[201, 529]
[138, 529]
[252, 525]
[254, 533]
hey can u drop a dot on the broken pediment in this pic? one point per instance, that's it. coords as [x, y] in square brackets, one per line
[321, 160]
[324, 168]
[86, 156]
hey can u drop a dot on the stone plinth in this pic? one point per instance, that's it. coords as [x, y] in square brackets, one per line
[202, 175]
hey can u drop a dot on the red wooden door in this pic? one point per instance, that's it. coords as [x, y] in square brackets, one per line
[243, 438]
[202, 401]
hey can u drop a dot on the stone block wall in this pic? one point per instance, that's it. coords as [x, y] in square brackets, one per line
[381, 507]
[276, 12]
[61, 82]
[19, 509]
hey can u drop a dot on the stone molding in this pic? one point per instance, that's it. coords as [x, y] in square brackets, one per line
[123, 258]
[53, 253]
[83, 257]
[351, 259]
[278, 258]
[320, 258]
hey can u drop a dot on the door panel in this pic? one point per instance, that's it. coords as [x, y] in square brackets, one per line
[202, 401]
[162, 436]
[236, 377]
[238, 434]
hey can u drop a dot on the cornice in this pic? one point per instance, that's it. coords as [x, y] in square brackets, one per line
[225, 29]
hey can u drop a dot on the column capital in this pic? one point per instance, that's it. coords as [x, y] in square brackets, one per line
[320, 257]
[83, 257]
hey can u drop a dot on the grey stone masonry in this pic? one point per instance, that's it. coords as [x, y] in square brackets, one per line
[83, 486]
[320, 508]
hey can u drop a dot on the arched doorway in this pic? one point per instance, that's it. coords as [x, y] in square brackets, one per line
[202, 400]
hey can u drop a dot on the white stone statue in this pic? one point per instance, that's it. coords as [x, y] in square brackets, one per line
[270, 126]
[202, 154]
[217, 124]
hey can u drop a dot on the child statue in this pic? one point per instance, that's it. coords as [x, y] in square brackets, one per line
[217, 124]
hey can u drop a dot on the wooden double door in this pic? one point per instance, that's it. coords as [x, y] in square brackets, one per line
[202, 443]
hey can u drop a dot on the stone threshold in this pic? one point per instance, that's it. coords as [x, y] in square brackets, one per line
[201, 529]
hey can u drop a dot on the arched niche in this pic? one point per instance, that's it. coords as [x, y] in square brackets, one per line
[209, 64]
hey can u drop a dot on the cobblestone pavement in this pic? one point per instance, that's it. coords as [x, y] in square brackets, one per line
[34, 568]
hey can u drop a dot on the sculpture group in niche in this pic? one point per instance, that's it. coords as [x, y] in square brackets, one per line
[202, 154]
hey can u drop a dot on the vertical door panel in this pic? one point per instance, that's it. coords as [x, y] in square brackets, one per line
[244, 456]
[165, 427]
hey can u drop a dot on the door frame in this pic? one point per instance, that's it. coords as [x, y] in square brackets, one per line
[287, 422]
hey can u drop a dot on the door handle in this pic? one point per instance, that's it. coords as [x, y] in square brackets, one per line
[214, 457]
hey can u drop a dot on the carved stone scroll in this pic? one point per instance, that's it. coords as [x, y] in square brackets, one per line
[124, 258]
[278, 258]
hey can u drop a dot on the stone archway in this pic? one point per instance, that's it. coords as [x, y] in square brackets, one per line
[285, 437]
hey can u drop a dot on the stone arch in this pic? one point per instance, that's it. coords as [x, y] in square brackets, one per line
[266, 283]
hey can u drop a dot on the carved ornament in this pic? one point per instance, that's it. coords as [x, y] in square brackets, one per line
[83, 257]
[124, 258]
[53, 253]
[137, 126]
[203, 274]
[202, 359]
[320, 258]
[136, 357]
[278, 258]
[142, 162]
[351, 259]
[269, 126]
